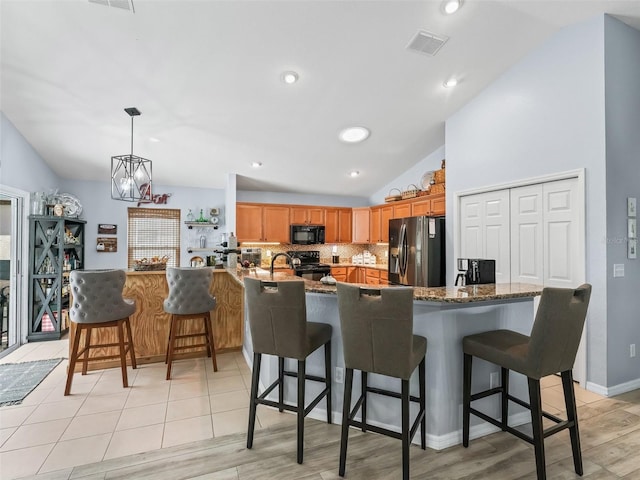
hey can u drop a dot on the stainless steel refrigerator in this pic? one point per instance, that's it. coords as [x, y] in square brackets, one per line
[417, 251]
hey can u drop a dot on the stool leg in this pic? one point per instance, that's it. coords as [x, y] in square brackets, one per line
[72, 359]
[466, 398]
[211, 347]
[123, 354]
[505, 401]
[132, 352]
[363, 408]
[255, 379]
[301, 383]
[536, 422]
[172, 343]
[327, 377]
[166, 355]
[346, 408]
[280, 383]
[405, 430]
[87, 342]
[423, 403]
[572, 417]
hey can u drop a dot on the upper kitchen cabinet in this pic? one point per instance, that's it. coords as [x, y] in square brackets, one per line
[249, 223]
[379, 224]
[262, 223]
[432, 205]
[301, 215]
[275, 224]
[338, 225]
[402, 211]
[360, 223]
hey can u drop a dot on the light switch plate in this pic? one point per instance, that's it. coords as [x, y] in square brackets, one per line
[618, 269]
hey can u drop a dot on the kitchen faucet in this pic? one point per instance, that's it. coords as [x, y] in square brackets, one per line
[290, 260]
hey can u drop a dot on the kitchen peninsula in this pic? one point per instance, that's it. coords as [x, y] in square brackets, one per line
[441, 314]
[150, 323]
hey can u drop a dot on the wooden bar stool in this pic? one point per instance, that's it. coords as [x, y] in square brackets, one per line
[98, 303]
[189, 298]
[377, 337]
[278, 320]
[550, 349]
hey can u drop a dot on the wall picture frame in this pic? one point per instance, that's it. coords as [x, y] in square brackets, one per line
[106, 244]
[632, 228]
[107, 229]
[631, 207]
[632, 248]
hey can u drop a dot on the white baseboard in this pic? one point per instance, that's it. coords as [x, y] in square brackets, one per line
[615, 390]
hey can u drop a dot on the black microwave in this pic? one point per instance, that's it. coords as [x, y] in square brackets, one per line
[307, 234]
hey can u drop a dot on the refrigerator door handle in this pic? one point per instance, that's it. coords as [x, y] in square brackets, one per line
[402, 251]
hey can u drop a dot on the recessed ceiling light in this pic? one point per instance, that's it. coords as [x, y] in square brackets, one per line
[290, 77]
[452, 82]
[153, 139]
[451, 6]
[354, 134]
[256, 164]
[354, 173]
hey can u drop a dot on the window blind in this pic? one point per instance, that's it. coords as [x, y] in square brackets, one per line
[153, 232]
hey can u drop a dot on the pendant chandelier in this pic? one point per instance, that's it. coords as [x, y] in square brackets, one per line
[131, 175]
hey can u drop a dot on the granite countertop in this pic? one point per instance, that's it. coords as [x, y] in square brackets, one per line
[468, 294]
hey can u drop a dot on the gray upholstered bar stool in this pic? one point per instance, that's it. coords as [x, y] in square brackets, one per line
[550, 349]
[189, 298]
[278, 320]
[98, 303]
[377, 337]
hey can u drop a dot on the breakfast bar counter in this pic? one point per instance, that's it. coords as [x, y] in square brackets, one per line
[444, 315]
[150, 323]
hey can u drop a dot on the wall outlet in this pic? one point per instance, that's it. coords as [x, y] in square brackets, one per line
[632, 350]
[339, 375]
[494, 379]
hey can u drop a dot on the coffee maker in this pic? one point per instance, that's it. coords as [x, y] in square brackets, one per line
[476, 271]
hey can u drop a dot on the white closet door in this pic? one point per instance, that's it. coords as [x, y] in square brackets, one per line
[527, 236]
[561, 219]
[484, 232]
[471, 226]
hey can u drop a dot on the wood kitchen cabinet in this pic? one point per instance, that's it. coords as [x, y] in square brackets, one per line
[249, 223]
[430, 205]
[301, 215]
[379, 223]
[360, 222]
[337, 225]
[262, 223]
[339, 273]
[402, 211]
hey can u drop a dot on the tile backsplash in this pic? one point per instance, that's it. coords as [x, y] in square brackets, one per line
[344, 250]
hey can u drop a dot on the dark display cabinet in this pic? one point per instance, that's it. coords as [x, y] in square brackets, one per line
[56, 246]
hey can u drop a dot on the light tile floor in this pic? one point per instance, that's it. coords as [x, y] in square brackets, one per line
[100, 420]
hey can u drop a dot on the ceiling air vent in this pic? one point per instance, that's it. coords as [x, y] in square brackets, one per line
[427, 43]
[122, 4]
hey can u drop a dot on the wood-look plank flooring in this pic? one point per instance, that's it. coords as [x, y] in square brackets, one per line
[609, 429]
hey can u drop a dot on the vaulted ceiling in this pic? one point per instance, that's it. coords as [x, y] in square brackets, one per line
[207, 77]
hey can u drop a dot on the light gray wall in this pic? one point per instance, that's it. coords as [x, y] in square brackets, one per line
[20, 165]
[299, 199]
[98, 207]
[544, 115]
[622, 98]
[411, 176]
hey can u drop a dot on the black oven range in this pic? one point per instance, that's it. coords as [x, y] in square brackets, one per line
[310, 267]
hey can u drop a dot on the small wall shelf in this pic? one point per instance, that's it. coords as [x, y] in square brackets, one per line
[198, 249]
[190, 225]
